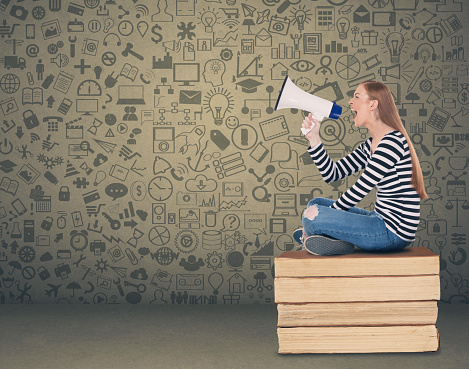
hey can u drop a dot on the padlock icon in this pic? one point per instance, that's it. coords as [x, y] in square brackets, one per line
[43, 273]
[30, 119]
[47, 224]
[64, 193]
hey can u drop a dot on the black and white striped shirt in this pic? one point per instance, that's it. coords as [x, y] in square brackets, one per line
[389, 168]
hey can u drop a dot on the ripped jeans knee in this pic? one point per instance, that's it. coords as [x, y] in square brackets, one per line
[311, 212]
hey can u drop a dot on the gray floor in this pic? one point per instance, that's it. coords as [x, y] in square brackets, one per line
[189, 336]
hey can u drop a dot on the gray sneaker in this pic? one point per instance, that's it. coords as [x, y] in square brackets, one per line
[323, 246]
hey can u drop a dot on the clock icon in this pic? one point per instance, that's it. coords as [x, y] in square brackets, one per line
[125, 28]
[89, 88]
[78, 240]
[160, 188]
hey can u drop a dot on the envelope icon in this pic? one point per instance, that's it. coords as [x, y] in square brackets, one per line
[462, 70]
[190, 97]
[361, 15]
[263, 38]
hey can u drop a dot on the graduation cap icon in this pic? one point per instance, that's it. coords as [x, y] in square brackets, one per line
[249, 85]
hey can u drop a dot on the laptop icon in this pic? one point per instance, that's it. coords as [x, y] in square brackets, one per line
[285, 205]
[130, 95]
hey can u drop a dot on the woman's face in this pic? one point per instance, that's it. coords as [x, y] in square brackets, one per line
[360, 104]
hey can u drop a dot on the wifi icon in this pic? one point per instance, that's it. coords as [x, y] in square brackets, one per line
[459, 146]
[141, 10]
[230, 23]
[34, 137]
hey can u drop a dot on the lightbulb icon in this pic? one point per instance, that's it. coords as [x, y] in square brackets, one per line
[208, 20]
[394, 43]
[100, 176]
[343, 25]
[219, 102]
[300, 17]
[218, 105]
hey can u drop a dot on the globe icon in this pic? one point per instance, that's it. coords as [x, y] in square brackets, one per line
[9, 83]
[164, 256]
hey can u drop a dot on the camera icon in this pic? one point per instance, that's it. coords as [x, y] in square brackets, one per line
[185, 198]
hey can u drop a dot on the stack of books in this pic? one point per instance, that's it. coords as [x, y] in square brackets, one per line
[361, 302]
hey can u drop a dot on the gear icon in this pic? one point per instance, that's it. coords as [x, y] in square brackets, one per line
[186, 241]
[226, 54]
[26, 254]
[38, 12]
[52, 49]
[426, 85]
[214, 260]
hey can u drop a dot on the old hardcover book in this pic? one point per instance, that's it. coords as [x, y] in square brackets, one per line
[357, 313]
[409, 261]
[355, 289]
[400, 338]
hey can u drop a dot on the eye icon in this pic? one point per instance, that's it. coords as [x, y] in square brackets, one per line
[302, 65]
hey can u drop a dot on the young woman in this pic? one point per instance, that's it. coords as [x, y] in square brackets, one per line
[391, 164]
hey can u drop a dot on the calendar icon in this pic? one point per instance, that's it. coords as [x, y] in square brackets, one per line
[43, 205]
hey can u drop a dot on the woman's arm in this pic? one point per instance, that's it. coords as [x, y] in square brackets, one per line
[329, 170]
[333, 171]
[385, 157]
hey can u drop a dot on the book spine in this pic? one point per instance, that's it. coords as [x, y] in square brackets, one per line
[404, 338]
[357, 267]
[357, 289]
[357, 313]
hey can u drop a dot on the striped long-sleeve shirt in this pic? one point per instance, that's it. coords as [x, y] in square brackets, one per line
[389, 168]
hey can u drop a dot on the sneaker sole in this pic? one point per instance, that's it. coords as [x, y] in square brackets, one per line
[298, 236]
[323, 246]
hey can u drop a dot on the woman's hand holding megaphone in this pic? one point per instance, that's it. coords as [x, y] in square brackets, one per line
[310, 122]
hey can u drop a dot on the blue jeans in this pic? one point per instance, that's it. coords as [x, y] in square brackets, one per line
[365, 229]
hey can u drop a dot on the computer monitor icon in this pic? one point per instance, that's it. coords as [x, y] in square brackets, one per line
[77, 151]
[186, 73]
[87, 106]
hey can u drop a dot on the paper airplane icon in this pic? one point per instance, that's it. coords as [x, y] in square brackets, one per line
[248, 10]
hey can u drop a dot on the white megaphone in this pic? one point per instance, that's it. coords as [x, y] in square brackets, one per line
[293, 97]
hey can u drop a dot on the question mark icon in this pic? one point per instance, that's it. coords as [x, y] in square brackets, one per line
[6, 227]
[233, 222]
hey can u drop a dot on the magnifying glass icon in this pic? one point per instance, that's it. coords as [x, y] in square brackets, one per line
[10, 106]
[417, 138]
[85, 146]
[286, 4]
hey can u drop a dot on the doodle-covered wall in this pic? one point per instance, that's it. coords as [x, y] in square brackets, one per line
[142, 160]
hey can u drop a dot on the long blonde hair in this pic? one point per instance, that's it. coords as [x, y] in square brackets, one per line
[389, 115]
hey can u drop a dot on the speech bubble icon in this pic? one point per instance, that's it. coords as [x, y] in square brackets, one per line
[231, 222]
[116, 190]
[280, 151]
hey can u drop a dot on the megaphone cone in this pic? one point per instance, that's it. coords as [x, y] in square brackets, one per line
[293, 97]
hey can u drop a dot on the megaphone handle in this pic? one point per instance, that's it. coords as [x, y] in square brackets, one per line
[306, 131]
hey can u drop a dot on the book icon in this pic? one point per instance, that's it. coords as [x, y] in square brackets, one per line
[9, 185]
[32, 95]
[129, 71]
